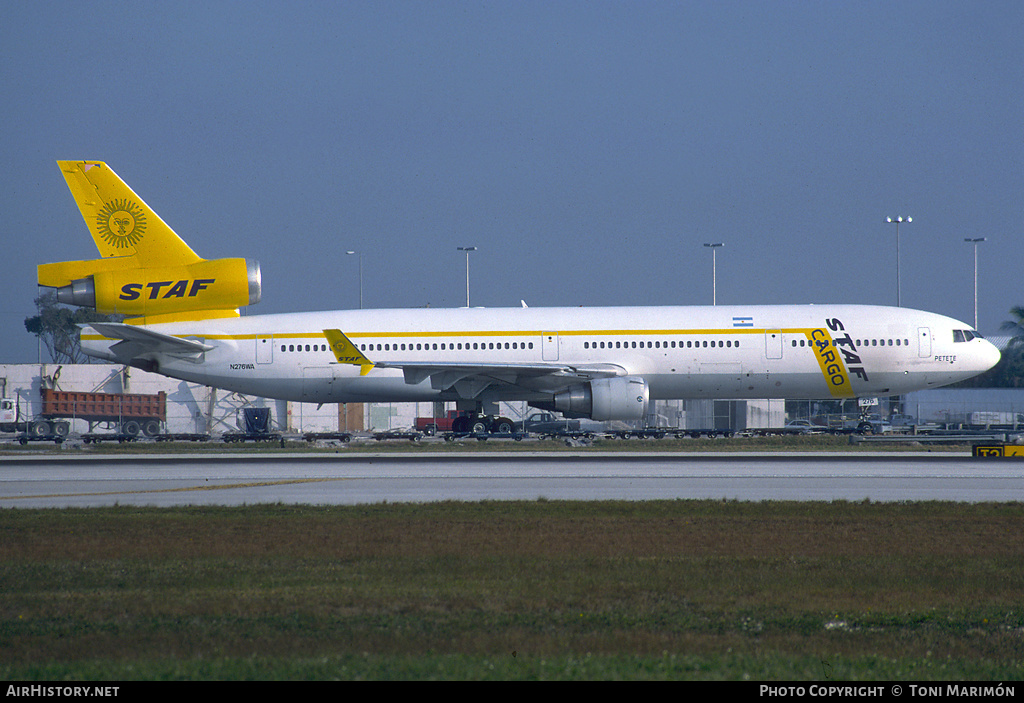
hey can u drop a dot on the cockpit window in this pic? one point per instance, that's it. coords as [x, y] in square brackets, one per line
[965, 335]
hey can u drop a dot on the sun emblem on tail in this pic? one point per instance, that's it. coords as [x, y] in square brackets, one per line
[121, 223]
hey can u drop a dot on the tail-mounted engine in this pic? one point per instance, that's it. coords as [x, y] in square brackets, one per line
[220, 284]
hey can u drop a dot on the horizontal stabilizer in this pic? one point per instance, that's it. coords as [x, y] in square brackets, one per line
[140, 341]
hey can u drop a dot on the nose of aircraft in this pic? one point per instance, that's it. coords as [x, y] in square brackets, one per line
[986, 356]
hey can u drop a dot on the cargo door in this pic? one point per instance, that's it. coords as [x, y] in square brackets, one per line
[317, 384]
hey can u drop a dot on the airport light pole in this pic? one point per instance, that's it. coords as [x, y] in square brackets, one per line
[714, 270]
[896, 221]
[975, 241]
[467, 250]
[360, 255]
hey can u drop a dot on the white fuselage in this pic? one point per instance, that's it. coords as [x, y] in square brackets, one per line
[778, 351]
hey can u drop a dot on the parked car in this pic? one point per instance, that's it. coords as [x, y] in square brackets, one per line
[541, 423]
[805, 427]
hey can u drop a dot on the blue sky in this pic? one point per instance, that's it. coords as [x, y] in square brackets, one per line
[588, 149]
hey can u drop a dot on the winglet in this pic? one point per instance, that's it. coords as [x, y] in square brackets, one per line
[346, 352]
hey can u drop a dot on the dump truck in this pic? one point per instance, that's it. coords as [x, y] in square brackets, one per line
[128, 414]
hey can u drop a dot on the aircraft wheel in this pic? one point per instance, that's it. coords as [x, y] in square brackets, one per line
[460, 425]
[478, 425]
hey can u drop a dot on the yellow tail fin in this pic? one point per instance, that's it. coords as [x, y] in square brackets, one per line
[119, 221]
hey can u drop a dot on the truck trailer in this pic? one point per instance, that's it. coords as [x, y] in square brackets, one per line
[127, 414]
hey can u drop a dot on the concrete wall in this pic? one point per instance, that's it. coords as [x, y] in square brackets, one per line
[191, 407]
[194, 408]
[956, 404]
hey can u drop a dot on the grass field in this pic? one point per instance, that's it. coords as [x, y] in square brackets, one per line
[527, 590]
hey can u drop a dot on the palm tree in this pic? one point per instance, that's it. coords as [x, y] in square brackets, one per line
[1015, 327]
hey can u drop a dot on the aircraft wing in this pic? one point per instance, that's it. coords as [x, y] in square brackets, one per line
[469, 379]
[138, 341]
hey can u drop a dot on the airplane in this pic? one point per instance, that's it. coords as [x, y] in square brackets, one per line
[603, 363]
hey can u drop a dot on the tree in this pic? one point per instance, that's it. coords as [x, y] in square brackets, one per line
[1015, 327]
[58, 327]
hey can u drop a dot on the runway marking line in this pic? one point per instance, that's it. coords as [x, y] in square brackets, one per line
[257, 484]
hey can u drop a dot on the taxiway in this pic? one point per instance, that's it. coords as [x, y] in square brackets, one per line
[59, 481]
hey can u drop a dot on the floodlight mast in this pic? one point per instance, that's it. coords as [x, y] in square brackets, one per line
[975, 241]
[467, 250]
[714, 270]
[896, 221]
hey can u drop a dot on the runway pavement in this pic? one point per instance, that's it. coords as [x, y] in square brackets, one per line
[60, 480]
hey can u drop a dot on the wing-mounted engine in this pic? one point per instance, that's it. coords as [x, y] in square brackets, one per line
[623, 398]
